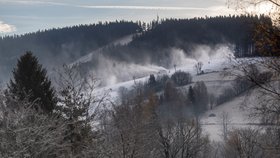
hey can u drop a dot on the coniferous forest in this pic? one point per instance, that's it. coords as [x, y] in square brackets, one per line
[154, 39]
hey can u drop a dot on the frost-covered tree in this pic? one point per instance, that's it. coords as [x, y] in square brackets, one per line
[26, 133]
[79, 105]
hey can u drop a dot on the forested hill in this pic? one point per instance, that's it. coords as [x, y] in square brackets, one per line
[75, 40]
[62, 45]
[185, 34]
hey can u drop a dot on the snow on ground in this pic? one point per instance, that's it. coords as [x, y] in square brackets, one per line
[112, 72]
[238, 112]
[237, 117]
[212, 65]
[215, 83]
[213, 77]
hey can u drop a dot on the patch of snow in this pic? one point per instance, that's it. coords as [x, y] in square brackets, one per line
[238, 116]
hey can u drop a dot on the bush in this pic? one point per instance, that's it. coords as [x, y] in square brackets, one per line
[181, 78]
[212, 115]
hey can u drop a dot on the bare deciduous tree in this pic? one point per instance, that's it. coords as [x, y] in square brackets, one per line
[225, 125]
[244, 143]
[181, 139]
[198, 67]
[128, 128]
[244, 4]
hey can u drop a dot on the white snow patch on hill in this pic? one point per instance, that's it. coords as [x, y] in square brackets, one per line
[214, 80]
[112, 72]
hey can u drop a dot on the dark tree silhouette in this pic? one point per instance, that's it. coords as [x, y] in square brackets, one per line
[152, 81]
[30, 82]
[181, 78]
[191, 95]
[185, 34]
[198, 96]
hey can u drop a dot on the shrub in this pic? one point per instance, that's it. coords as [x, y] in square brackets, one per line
[181, 78]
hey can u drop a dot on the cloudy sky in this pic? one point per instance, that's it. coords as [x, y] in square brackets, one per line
[22, 16]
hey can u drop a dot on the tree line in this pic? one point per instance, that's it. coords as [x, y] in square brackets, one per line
[186, 34]
[62, 45]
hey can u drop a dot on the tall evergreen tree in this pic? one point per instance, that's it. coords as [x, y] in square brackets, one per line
[201, 97]
[191, 95]
[30, 82]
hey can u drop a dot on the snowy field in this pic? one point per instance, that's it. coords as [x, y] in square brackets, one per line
[238, 116]
[213, 77]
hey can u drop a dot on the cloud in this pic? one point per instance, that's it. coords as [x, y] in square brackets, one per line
[6, 28]
[132, 7]
[141, 7]
[33, 2]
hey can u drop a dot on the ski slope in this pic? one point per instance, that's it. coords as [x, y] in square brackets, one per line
[211, 67]
[213, 78]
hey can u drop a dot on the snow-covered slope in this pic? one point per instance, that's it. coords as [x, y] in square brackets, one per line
[238, 117]
[213, 78]
[212, 66]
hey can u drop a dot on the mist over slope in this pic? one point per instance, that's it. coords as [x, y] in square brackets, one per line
[161, 36]
[173, 42]
[111, 71]
[124, 75]
[59, 46]
[217, 84]
[141, 48]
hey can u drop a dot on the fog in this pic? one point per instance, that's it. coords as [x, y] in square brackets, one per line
[110, 71]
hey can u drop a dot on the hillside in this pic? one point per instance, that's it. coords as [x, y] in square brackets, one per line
[171, 42]
[59, 46]
[140, 79]
[216, 84]
[156, 44]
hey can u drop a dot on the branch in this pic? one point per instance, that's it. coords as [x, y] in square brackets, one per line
[275, 3]
[261, 1]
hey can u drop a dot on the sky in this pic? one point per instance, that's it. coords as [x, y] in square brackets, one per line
[23, 16]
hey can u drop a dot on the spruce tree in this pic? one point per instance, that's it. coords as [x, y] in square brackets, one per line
[191, 96]
[30, 82]
[201, 99]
